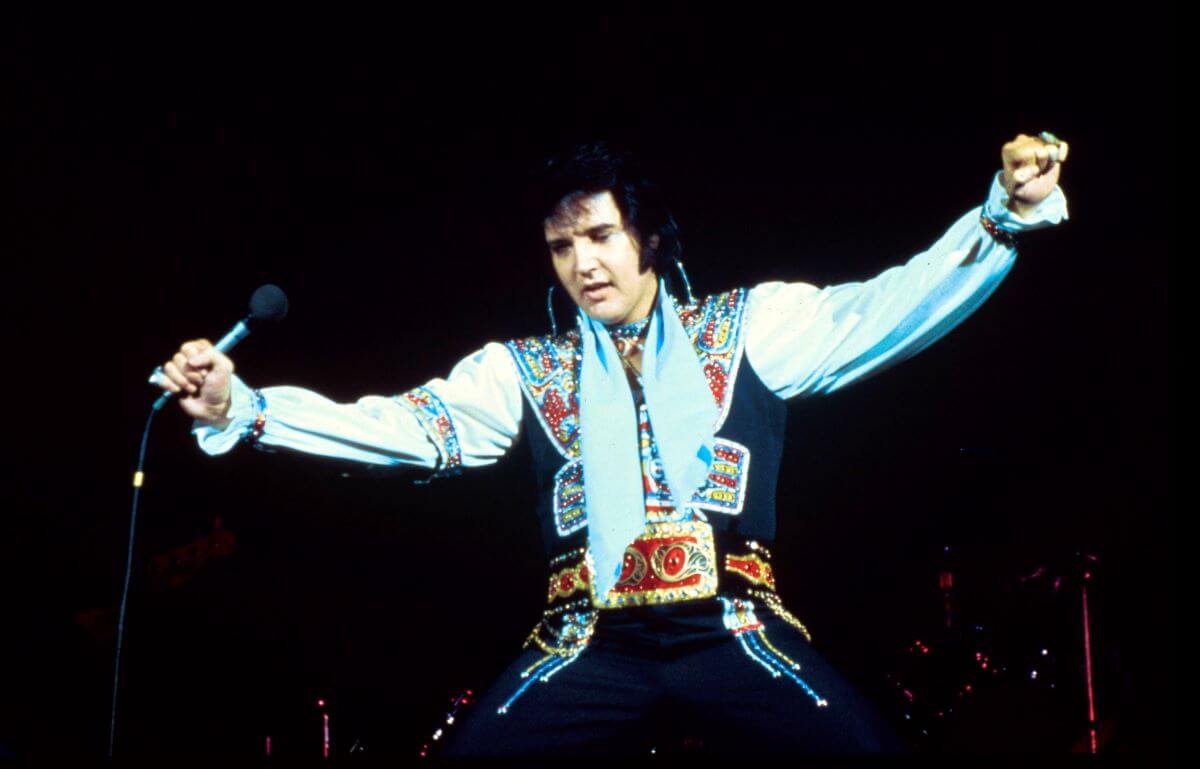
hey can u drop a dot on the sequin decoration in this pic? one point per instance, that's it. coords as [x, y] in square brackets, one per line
[549, 374]
[755, 567]
[569, 633]
[433, 415]
[261, 412]
[740, 620]
[671, 562]
[565, 583]
[715, 327]
[570, 514]
[751, 567]
[659, 504]
[998, 233]
[776, 606]
[724, 491]
[548, 367]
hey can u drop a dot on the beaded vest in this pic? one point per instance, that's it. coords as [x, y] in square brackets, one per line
[711, 549]
[739, 498]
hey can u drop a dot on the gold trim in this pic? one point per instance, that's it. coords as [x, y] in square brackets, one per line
[776, 606]
[701, 559]
[767, 577]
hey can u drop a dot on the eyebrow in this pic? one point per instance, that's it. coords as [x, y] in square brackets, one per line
[591, 232]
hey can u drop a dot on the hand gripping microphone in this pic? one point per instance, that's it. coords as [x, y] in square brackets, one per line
[268, 303]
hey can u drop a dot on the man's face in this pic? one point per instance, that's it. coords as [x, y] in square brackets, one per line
[596, 259]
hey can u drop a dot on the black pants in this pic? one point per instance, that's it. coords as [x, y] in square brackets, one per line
[672, 678]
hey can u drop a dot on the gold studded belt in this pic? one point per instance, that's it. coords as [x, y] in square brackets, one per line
[669, 563]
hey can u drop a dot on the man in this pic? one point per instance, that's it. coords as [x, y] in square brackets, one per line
[656, 429]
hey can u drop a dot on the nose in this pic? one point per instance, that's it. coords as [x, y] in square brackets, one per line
[586, 261]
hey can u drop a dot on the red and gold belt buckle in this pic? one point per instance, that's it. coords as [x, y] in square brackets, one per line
[671, 562]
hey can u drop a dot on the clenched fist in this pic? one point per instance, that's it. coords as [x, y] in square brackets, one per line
[200, 373]
[1031, 168]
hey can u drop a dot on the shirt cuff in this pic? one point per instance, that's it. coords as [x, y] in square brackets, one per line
[1049, 212]
[242, 411]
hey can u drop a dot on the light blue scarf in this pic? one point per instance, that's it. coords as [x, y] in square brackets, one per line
[682, 417]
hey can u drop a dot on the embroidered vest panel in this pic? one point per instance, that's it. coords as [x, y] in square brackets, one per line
[739, 497]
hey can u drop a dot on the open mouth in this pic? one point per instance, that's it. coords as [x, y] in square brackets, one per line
[595, 291]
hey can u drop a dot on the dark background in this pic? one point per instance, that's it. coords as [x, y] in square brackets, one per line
[164, 167]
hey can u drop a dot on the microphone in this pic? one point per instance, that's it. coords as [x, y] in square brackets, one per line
[268, 303]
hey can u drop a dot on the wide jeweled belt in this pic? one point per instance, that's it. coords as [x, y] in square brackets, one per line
[671, 562]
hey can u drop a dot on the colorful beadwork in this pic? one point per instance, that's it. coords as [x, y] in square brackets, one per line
[569, 634]
[751, 567]
[670, 562]
[776, 606]
[660, 506]
[739, 619]
[564, 557]
[569, 512]
[756, 568]
[260, 417]
[433, 415]
[549, 374]
[715, 327]
[999, 234]
[541, 671]
[724, 491]
[569, 581]
[548, 367]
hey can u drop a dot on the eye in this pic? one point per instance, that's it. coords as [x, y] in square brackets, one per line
[602, 237]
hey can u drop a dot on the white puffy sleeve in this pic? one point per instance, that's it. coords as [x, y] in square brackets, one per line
[469, 419]
[804, 340]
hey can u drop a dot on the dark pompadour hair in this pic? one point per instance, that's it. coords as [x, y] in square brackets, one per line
[588, 169]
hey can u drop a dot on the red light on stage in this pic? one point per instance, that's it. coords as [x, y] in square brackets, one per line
[320, 703]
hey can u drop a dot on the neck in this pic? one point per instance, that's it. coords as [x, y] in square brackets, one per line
[639, 313]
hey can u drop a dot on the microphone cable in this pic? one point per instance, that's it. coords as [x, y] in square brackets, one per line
[139, 478]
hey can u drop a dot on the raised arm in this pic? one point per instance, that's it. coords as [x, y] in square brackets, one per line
[469, 419]
[804, 340]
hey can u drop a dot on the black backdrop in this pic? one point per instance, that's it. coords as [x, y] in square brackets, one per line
[165, 167]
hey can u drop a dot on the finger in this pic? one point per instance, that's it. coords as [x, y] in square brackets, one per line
[166, 383]
[1022, 162]
[202, 360]
[215, 360]
[1062, 151]
[1042, 160]
[1040, 188]
[1025, 171]
[195, 347]
[193, 375]
[177, 377]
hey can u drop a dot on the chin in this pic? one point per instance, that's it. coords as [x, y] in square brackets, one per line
[605, 314]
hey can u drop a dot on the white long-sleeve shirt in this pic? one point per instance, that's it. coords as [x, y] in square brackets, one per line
[800, 339]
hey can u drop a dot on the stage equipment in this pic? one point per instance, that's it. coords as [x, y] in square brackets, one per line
[1012, 676]
[267, 303]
